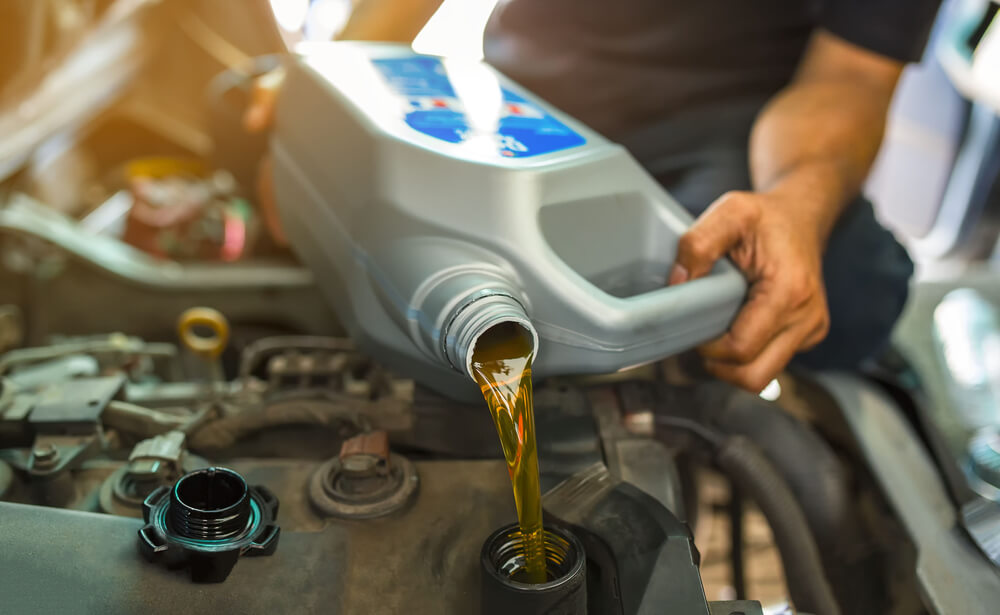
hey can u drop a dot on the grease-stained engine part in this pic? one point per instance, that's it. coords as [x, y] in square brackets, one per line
[153, 463]
[206, 521]
[364, 481]
[155, 421]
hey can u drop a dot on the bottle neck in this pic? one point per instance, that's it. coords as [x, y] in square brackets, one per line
[471, 319]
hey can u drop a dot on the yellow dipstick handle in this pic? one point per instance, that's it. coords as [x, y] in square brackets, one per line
[209, 347]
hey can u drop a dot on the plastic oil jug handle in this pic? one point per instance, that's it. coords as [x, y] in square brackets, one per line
[646, 326]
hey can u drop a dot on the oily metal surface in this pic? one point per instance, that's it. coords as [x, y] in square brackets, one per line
[954, 577]
[950, 432]
[94, 283]
[421, 560]
[914, 335]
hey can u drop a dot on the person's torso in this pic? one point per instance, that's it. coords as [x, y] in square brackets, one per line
[622, 66]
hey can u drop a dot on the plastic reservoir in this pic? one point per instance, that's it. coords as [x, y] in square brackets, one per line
[433, 197]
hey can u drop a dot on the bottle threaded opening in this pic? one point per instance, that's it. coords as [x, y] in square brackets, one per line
[210, 504]
[478, 317]
[504, 557]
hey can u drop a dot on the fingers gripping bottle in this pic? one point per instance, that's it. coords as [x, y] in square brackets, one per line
[435, 199]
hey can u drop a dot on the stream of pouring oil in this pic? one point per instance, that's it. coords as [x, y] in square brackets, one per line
[501, 362]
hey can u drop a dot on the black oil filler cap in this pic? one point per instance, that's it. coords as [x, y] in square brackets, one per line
[206, 521]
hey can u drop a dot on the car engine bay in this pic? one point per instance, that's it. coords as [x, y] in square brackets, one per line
[188, 425]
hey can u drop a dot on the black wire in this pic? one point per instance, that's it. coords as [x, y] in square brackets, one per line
[704, 432]
[736, 541]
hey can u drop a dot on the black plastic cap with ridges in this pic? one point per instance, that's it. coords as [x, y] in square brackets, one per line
[206, 521]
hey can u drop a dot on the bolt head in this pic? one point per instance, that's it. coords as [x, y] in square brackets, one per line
[45, 452]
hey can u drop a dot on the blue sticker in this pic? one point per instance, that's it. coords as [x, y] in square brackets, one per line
[432, 108]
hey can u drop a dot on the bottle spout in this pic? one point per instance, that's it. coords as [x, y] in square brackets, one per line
[475, 318]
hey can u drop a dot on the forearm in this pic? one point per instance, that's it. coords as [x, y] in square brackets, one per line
[371, 20]
[815, 142]
[388, 20]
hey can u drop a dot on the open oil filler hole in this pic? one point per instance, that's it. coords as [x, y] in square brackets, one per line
[210, 504]
[503, 558]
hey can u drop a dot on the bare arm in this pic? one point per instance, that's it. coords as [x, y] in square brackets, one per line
[817, 139]
[371, 20]
[388, 20]
[811, 148]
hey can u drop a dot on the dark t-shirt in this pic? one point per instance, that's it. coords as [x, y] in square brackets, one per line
[622, 65]
[679, 82]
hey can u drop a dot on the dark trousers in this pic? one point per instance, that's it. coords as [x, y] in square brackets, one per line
[865, 270]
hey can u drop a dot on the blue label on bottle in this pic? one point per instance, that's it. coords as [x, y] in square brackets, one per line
[432, 107]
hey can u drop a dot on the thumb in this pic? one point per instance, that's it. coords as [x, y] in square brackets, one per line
[713, 235]
[263, 98]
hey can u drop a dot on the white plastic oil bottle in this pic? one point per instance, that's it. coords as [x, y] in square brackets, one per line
[435, 199]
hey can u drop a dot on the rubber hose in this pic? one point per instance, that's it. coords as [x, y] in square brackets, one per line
[755, 476]
[816, 476]
[807, 463]
[347, 414]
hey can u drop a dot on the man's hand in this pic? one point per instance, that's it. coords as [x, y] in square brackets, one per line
[769, 238]
[259, 114]
[810, 150]
[258, 118]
